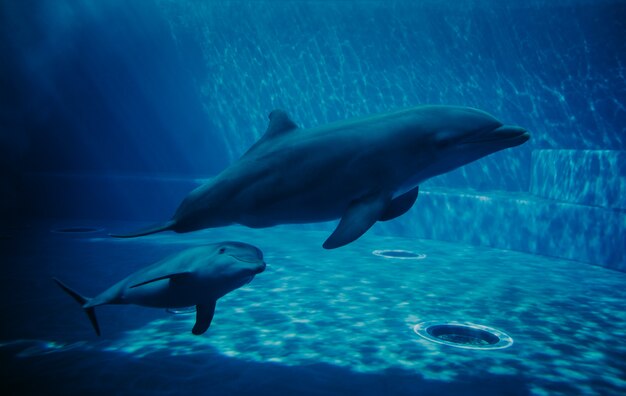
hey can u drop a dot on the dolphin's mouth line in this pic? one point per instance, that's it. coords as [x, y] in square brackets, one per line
[502, 134]
[490, 139]
[262, 269]
[253, 261]
[246, 259]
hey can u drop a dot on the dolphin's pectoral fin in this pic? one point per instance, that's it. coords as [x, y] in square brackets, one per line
[358, 218]
[204, 316]
[400, 205]
[279, 123]
[175, 277]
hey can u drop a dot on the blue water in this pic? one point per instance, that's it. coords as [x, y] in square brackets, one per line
[112, 111]
[315, 322]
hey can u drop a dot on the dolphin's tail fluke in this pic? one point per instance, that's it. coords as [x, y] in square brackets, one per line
[147, 231]
[83, 301]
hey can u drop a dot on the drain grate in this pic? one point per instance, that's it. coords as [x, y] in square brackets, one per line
[463, 335]
[399, 254]
[76, 230]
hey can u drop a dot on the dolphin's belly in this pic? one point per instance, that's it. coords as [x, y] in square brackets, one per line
[308, 203]
[320, 203]
[290, 211]
[162, 294]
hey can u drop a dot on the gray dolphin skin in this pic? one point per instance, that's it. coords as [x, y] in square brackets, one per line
[360, 171]
[197, 276]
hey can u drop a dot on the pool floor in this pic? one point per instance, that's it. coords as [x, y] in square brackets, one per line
[317, 322]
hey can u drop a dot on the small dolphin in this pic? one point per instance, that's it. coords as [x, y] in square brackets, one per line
[361, 171]
[197, 276]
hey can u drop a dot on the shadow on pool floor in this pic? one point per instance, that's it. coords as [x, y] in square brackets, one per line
[102, 373]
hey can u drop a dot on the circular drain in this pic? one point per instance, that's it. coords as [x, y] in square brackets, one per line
[76, 230]
[181, 311]
[399, 254]
[463, 335]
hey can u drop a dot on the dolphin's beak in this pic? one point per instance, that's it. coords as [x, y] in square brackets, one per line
[509, 135]
[262, 267]
[255, 272]
[251, 259]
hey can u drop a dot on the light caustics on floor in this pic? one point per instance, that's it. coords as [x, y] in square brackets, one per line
[354, 309]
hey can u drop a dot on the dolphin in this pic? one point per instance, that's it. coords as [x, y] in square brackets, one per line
[198, 276]
[361, 170]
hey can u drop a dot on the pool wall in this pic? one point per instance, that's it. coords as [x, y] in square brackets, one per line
[116, 108]
[522, 221]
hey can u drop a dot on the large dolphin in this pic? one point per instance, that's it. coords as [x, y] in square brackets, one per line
[362, 170]
[197, 276]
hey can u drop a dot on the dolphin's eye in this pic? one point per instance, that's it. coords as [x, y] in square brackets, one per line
[222, 250]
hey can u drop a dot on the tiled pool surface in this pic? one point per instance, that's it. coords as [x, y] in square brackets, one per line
[316, 322]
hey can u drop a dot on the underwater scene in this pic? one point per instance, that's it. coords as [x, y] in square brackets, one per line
[313, 197]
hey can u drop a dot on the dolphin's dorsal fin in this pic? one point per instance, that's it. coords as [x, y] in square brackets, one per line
[204, 316]
[176, 276]
[280, 123]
